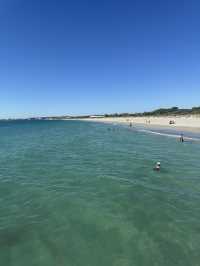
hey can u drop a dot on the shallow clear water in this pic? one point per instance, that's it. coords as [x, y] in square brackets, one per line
[84, 194]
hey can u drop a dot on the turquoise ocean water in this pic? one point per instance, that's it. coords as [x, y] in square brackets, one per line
[84, 194]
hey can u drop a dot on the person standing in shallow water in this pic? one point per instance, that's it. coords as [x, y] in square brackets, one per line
[181, 138]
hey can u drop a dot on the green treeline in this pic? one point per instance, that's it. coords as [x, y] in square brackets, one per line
[160, 112]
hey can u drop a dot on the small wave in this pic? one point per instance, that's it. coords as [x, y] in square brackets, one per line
[167, 135]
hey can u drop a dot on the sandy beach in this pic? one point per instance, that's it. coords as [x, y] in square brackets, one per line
[190, 123]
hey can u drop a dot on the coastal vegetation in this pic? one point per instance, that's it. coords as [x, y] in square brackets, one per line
[160, 112]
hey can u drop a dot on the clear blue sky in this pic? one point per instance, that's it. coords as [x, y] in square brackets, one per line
[79, 57]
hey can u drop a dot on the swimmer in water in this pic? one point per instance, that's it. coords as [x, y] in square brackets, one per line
[157, 167]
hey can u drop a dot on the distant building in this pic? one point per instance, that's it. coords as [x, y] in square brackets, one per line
[97, 116]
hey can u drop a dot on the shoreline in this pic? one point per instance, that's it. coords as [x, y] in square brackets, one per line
[190, 124]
